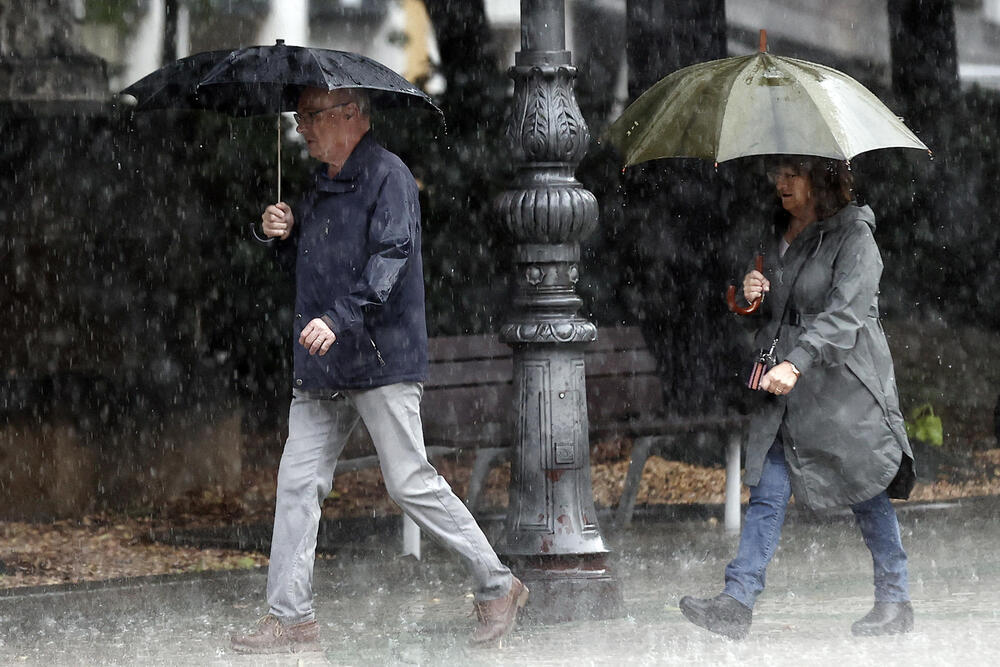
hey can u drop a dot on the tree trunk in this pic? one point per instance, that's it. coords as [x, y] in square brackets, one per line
[474, 93]
[675, 210]
[924, 57]
[170, 8]
[664, 37]
[459, 169]
[925, 80]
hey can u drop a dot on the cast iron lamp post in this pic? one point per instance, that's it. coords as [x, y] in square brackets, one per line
[552, 538]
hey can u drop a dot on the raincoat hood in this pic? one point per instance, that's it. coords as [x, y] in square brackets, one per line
[852, 213]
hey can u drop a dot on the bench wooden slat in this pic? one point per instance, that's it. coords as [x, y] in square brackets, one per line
[616, 398]
[469, 372]
[460, 437]
[618, 362]
[482, 346]
[618, 338]
[670, 426]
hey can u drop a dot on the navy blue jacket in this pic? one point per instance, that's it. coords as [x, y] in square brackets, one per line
[357, 245]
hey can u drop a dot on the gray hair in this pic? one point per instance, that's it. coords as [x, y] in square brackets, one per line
[361, 98]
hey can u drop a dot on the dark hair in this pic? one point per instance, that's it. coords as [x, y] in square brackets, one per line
[832, 180]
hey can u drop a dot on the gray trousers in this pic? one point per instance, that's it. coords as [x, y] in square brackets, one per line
[318, 428]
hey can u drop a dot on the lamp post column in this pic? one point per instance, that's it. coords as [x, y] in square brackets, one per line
[552, 535]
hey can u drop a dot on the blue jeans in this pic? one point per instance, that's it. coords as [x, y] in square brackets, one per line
[765, 515]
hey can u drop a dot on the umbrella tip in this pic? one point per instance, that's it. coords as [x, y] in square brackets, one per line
[763, 41]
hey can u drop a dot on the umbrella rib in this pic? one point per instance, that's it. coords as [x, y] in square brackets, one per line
[312, 54]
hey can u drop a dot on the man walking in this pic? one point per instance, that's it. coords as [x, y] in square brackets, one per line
[361, 354]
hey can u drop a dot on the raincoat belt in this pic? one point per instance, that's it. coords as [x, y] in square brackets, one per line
[796, 319]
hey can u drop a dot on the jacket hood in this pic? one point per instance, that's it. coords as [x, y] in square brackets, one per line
[849, 213]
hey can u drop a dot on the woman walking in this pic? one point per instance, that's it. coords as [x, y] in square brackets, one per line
[828, 427]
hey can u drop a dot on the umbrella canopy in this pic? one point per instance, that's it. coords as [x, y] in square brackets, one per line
[268, 79]
[759, 104]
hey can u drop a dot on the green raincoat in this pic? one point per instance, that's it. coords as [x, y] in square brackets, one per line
[842, 429]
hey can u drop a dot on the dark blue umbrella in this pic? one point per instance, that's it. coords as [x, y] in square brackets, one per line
[259, 80]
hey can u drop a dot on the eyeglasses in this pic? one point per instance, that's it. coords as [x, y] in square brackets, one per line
[310, 117]
[786, 174]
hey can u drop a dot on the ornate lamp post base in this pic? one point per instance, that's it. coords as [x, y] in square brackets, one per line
[565, 588]
[553, 541]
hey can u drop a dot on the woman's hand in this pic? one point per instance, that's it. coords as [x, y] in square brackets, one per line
[780, 379]
[755, 285]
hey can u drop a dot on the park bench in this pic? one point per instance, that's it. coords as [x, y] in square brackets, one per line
[468, 407]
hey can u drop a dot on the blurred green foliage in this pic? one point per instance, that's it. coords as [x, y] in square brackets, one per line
[925, 426]
[117, 13]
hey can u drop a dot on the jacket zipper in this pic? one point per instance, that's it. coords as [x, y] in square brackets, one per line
[378, 355]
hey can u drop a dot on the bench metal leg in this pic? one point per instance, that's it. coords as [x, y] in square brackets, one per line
[486, 458]
[411, 537]
[637, 462]
[732, 521]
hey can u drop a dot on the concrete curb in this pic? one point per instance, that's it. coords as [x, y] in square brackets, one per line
[361, 533]
[372, 534]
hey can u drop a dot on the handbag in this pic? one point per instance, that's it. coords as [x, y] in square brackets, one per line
[765, 361]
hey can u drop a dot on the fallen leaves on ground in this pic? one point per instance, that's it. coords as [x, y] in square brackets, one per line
[111, 546]
[100, 548]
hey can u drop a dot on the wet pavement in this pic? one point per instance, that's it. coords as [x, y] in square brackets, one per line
[378, 609]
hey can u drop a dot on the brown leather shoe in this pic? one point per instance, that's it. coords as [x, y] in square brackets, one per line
[497, 617]
[271, 636]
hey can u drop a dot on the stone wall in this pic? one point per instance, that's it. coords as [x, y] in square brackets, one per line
[116, 380]
[56, 470]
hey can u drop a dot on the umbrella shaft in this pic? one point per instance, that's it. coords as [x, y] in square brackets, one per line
[279, 156]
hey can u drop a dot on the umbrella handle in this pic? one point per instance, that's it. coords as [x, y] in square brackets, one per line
[731, 294]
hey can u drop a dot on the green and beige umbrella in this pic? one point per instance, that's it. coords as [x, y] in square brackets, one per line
[760, 104]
